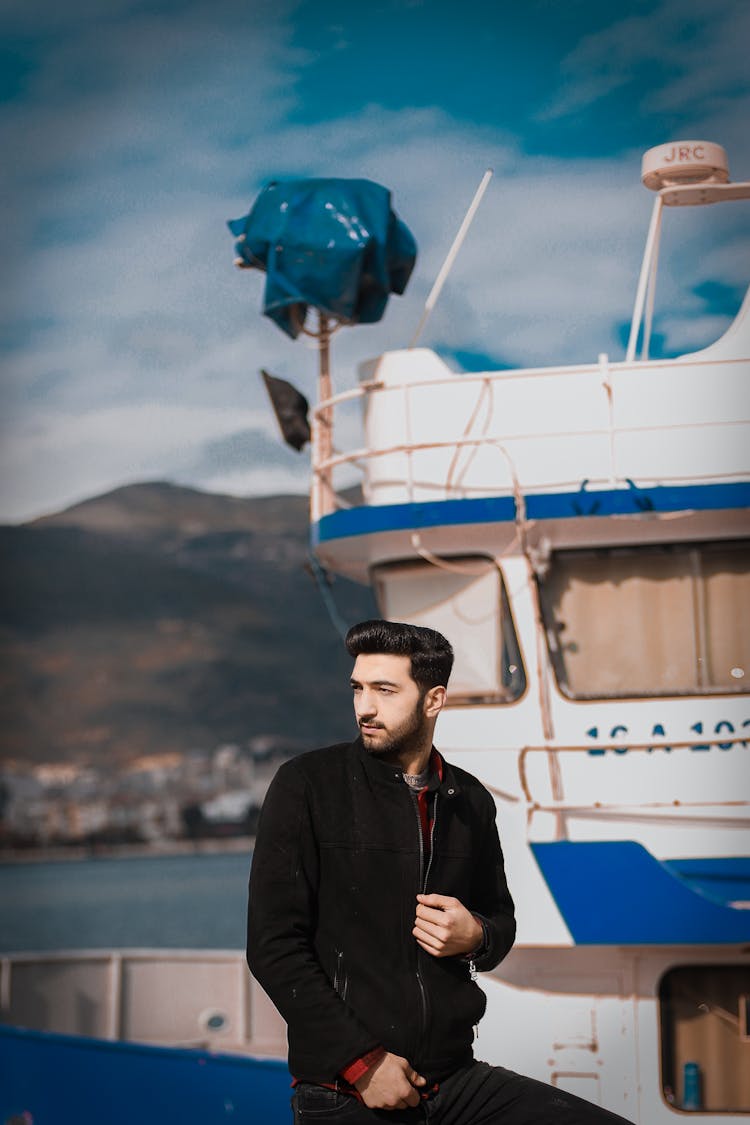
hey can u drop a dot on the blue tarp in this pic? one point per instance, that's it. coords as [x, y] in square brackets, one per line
[332, 244]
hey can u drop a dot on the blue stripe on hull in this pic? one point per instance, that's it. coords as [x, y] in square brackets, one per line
[617, 893]
[367, 520]
[725, 879]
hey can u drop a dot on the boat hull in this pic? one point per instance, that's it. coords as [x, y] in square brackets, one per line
[75, 1080]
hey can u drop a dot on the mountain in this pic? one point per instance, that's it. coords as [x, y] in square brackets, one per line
[162, 510]
[159, 618]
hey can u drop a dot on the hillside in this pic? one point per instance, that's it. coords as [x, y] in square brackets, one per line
[162, 618]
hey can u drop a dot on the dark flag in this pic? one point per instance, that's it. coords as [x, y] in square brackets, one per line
[290, 407]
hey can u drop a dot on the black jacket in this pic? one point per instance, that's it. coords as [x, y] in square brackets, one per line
[336, 870]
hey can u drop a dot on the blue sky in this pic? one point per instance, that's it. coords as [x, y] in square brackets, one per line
[132, 130]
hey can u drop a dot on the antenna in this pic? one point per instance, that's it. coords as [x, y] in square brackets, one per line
[452, 255]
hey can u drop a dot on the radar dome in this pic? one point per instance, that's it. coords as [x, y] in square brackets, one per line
[684, 162]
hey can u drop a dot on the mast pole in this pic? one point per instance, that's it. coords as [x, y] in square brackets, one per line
[652, 241]
[452, 255]
[324, 420]
[325, 387]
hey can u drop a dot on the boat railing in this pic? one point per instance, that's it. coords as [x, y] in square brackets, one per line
[450, 483]
[169, 997]
[704, 813]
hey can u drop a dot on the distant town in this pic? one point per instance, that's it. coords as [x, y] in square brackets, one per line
[162, 651]
[156, 800]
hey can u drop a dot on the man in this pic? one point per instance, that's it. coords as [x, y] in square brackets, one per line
[377, 890]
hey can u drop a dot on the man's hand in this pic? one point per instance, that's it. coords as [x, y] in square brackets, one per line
[444, 927]
[390, 1084]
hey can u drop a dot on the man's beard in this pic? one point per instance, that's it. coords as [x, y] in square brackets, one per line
[402, 737]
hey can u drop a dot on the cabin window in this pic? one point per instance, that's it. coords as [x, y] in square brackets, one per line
[469, 605]
[705, 1048]
[665, 620]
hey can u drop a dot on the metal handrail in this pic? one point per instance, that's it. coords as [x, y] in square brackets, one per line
[322, 471]
[364, 454]
[507, 375]
[652, 811]
[323, 467]
[553, 750]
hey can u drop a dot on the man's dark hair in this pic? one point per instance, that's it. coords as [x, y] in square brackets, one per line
[431, 654]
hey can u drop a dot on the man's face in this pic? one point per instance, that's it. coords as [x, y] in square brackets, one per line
[388, 704]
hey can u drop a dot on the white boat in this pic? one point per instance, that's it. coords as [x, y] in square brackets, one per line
[581, 534]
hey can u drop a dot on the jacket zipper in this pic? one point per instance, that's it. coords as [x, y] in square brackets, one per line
[340, 979]
[423, 876]
[432, 844]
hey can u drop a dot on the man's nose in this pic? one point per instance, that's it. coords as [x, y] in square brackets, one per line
[366, 705]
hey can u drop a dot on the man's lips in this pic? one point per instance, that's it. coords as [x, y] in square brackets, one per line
[370, 726]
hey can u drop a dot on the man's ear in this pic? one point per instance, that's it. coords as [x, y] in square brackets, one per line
[434, 701]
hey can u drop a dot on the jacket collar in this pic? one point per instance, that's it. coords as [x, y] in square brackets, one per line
[385, 773]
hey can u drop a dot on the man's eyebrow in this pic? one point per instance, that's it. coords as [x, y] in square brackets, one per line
[375, 683]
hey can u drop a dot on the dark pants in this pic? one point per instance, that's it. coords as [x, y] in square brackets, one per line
[478, 1094]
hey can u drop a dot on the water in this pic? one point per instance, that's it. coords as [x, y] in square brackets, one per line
[185, 901]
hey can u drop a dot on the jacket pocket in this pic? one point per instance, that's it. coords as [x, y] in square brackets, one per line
[457, 1002]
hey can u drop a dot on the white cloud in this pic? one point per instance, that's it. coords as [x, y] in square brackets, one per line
[697, 48]
[695, 330]
[52, 460]
[148, 342]
[260, 481]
